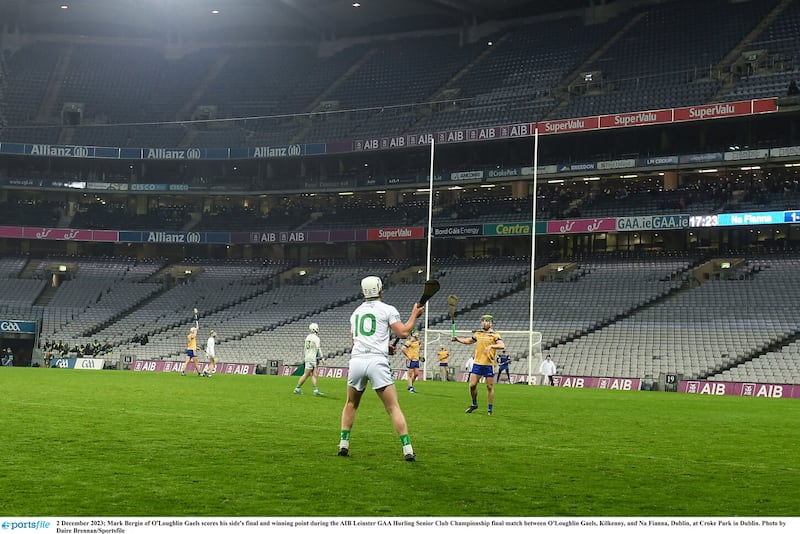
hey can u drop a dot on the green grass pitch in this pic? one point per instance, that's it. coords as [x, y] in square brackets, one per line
[113, 443]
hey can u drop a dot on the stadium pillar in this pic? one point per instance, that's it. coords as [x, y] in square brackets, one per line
[520, 189]
[141, 205]
[391, 199]
[670, 181]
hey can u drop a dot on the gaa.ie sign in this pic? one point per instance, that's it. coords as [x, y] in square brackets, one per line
[18, 327]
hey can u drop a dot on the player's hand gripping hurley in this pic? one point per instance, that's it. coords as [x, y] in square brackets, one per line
[452, 300]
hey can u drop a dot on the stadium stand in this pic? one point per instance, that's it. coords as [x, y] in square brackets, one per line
[645, 58]
[770, 61]
[638, 315]
[627, 317]
[30, 212]
[507, 83]
[668, 58]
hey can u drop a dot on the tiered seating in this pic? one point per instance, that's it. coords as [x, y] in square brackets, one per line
[117, 217]
[667, 59]
[780, 67]
[485, 210]
[29, 70]
[319, 77]
[619, 317]
[234, 219]
[228, 135]
[167, 317]
[382, 80]
[601, 291]
[664, 61]
[11, 266]
[357, 215]
[272, 324]
[696, 332]
[648, 202]
[249, 85]
[30, 213]
[124, 84]
[775, 367]
[19, 291]
[514, 80]
[98, 291]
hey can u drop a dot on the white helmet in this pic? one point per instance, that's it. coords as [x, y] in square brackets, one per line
[371, 287]
[313, 327]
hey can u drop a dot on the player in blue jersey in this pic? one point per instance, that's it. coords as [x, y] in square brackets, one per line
[503, 360]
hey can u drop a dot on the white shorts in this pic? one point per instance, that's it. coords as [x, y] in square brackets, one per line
[375, 370]
[311, 364]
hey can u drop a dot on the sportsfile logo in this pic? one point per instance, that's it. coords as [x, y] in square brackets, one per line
[19, 525]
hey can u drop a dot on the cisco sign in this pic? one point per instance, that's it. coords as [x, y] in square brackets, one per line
[18, 327]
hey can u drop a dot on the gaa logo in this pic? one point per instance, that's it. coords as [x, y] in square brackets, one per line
[193, 153]
[193, 237]
[81, 152]
[294, 150]
[9, 326]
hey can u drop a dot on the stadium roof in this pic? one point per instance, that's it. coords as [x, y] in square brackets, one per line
[302, 18]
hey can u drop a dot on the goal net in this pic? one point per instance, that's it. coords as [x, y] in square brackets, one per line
[524, 347]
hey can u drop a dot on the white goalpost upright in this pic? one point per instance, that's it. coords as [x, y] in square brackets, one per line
[533, 254]
[428, 257]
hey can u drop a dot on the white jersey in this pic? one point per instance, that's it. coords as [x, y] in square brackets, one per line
[311, 348]
[369, 326]
[211, 345]
[548, 367]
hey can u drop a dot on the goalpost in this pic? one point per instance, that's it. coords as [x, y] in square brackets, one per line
[525, 344]
[525, 360]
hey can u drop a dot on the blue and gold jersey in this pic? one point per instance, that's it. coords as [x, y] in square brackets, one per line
[412, 350]
[191, 340]
[485, 339]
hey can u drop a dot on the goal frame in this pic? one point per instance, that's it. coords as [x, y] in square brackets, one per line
[525, 342]
[532, 334]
